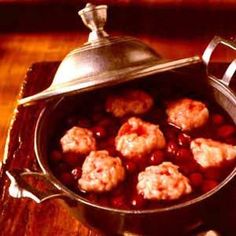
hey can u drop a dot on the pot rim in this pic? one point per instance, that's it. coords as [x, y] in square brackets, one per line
[213, 81]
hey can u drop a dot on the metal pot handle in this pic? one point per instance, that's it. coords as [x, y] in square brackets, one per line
[228, 75]
[19, 187]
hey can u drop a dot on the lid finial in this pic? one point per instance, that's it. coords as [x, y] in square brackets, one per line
[94, 17]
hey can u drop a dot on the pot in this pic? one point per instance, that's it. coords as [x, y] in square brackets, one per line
[182, 217]
[178, 219]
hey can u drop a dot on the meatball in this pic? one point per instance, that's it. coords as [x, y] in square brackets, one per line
[187, 114]
[101, 172]
[210, 153]
[78, 140]
[162, 182]
[136, 138]
[129, 102]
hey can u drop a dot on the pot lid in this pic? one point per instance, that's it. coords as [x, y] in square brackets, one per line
[104, 60]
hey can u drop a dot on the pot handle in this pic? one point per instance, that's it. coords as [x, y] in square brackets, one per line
[19, 186]
[228, 75]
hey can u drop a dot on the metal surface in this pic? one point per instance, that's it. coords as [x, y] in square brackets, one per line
[104, 60]
[94, 17]
[229, 73]
[20, 188]
[208, 53]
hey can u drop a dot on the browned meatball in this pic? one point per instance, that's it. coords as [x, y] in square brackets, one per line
[131, 102]
[187, 114]
[78, 140]
[210, 153]
[101, 172]
[163, 182]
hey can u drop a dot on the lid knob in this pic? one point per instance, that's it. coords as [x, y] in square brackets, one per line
[94, 17]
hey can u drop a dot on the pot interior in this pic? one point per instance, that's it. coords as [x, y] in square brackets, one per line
[189, 81]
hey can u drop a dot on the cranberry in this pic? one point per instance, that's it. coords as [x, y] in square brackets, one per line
[208, 185]
[225, 131]
[157, 115]
[84, 123]
[130, 166]
[56, 155]
[217, 119]
[118, 191]
[111, 141]
[61, 168]
[170, 134]
[111, 150]
[196, 179]
[157, 157]
[141, 163]
[132, 182]
[118, 201]
[106, 122]
[97, 117]
[92, 197]
[184, 139]
[212, 173]
[98, 108]
[76, 172]
[188, 168]
[99, 132]
[71, 121]
[231, 141]
[184, 154]
[138, 201]
[104, 201]
[67, 179]
[72, 159]
[172, 148]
